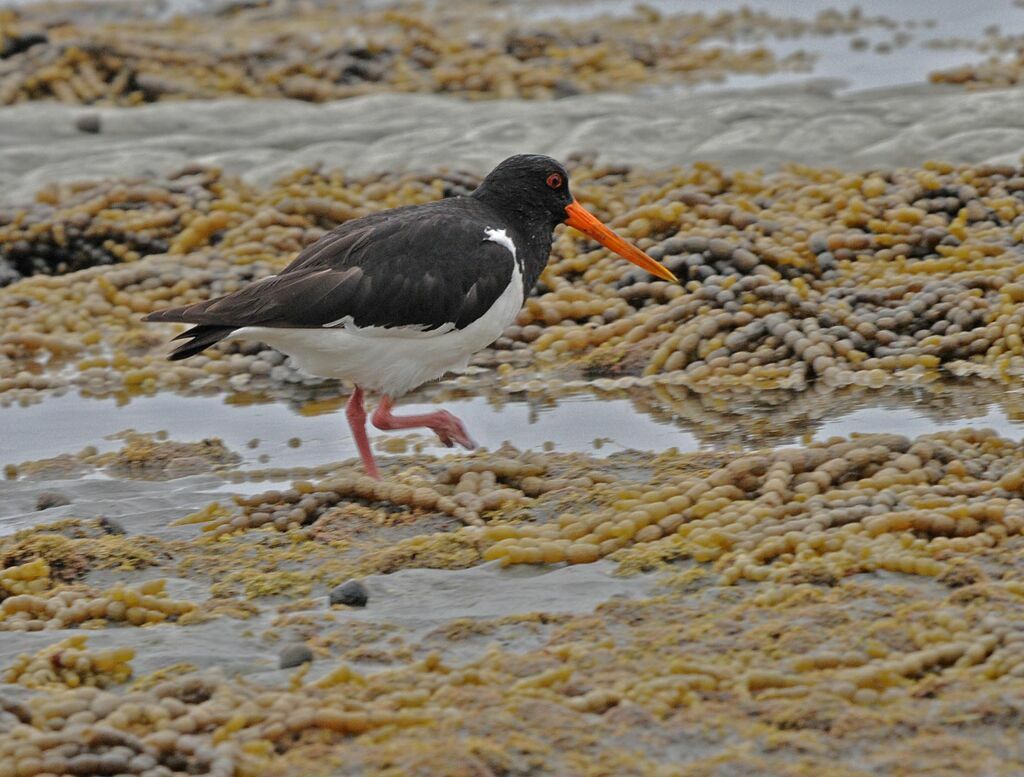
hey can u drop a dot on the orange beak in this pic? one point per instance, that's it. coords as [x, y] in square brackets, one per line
[579, 218]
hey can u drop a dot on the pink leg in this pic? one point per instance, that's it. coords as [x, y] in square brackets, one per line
[447, 427]
[357, 422]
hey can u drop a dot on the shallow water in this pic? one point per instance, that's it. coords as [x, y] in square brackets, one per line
[572, 423]
[594, 422]
[835, 58]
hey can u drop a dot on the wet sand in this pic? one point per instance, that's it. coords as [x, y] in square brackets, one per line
[262, 140]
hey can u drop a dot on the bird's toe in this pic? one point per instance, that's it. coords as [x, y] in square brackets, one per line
[451, 432]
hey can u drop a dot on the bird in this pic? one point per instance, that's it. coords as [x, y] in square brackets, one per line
[399, 298]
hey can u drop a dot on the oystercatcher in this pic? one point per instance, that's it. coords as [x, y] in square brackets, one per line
[395, 299]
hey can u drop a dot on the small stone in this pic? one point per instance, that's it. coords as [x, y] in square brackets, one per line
[695, 244]
[49, 499]
[674, 245]
[294, 655]
[744, 260]
[351, 593]
[89, 122]
[720, 249]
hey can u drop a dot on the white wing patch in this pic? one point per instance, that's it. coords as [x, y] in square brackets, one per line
[500, 236]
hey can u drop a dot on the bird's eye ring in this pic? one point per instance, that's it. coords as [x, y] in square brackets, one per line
[555, 181]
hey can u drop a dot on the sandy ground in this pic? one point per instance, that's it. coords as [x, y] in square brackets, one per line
[261, 140]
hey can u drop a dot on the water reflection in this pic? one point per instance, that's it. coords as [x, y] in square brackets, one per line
[592, 420]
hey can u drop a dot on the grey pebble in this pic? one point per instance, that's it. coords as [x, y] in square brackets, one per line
[744, 260]
[294, 655]
[48, 499]
[674, 245]
[818, 242]
[695, 244]
[89, 122]
[351, 593]
[720, 249]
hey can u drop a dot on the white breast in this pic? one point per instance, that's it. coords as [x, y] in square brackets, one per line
[396, 360]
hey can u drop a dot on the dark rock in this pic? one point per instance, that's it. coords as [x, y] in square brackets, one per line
[89, 122]
[49, 499]
[351, 593]
[294, 655]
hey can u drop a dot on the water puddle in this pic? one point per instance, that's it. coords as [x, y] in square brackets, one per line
[285, 434]
[861, 67]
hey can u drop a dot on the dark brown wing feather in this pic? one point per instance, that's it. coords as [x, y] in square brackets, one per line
[426, 267]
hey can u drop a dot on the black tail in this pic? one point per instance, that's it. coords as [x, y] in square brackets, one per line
[201, 338]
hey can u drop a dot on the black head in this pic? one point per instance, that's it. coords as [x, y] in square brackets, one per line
[533, 191]
[533, 187]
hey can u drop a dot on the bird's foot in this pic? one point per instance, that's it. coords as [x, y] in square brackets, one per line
[449, 430]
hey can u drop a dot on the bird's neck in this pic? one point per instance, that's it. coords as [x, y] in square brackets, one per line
[533, 233]
[535, 251]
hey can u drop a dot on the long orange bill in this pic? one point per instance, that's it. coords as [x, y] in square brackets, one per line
[579, 218]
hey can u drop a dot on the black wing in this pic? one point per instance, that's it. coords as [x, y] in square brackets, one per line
[425, 266]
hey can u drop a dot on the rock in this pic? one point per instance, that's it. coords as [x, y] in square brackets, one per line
[673, 246]
[695, 244]
[294, 655]
[351, 593]
[720, 249]
[48, 499]
[744, 260]
[89, 122]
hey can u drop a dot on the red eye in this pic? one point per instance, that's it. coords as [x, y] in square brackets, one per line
[555, 181]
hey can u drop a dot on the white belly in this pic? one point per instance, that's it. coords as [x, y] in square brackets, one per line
[391, 361]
